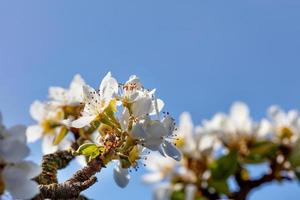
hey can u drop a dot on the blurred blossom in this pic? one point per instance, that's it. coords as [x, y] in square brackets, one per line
[15, 172]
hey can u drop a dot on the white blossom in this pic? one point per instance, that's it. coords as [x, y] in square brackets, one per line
[237, 123]
[70, 96]
[50, 120]
[16, 175]
[96, 101]
[285, 124]
[160, 168]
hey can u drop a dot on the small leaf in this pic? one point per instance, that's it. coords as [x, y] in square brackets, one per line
[225, 166]
[177, 195]
[87, 149]
[260, 152]
[294, 157]
[61, 135]
[221, 186]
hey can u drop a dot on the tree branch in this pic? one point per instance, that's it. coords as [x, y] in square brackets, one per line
[51, 163]
[247, 185]
[72, 188]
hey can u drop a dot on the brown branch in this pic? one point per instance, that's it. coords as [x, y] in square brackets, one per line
[72, 188]
[65, 190]
[247, 186]
[51, 163]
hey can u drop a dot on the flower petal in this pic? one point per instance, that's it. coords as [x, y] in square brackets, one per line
[141, 106]
[169, 124]
[83, 121]
[156, 129]
[33, 133]
[47, 144]
[156, 107]
[37, 110]
[138, 131]
[18, 133]
[108, 88]
[13, 150]
[152, 177]
[171, 151]
[186, 126]
[17, 179]
[189, 192]
[58, 94]
[18, 184]
[75, 91]
[162, 192]
[121, 176]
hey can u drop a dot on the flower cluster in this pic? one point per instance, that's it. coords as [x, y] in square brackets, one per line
[222, 148]
[54, 116]
[15, 172]
[117, 122]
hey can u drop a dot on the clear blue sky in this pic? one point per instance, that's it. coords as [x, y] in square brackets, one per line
[201, 55]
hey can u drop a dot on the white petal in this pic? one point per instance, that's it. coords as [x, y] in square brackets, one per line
[18, 133]
[141, 106]
[121, 176]
[33, 133]
[152, 177]
[239, 110]
[264, 128]
[156, 107]
[156, 130]
[171, 151]
[37, 110]
[169, 124]
[109, 87]
[276, 113]
[26, 189]
[190, 190]
[162, 192]
[124, 119]
[83, 121]
[75, 91]
[18, 184]
[138, 131]
[206, 143]
[240, 115]
[185, 125]
[65, 143]
[13, 150]
[133, 79]
[57, 94]
[32, 169]
[91, 99]
[47, 144]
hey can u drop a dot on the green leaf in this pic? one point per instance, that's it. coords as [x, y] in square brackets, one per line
[177, 195]
[225, 166]
[87, 149]
[260, 152]
[294, 157]
[61, 135]
[221, 186]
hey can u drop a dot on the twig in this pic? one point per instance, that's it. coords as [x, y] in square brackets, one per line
[72, 188]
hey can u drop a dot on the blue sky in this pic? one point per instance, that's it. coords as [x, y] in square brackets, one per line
[201, 55]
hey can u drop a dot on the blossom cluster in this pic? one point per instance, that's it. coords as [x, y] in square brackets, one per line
[117, 122]
[223, 147]
[15, 172]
